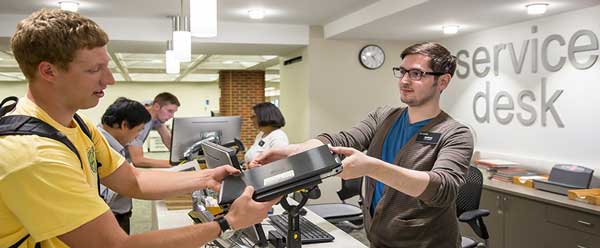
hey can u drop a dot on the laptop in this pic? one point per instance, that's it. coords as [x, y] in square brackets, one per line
[302, 170]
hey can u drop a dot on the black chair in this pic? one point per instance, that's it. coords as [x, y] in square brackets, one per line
[467, 207]
[341, 212]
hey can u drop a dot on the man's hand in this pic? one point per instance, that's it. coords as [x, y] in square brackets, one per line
[356, 164]
[212, 177]
[278, 153]
[273, 154]
[245, 212]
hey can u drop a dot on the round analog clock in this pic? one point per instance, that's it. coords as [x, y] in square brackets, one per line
[371, 57]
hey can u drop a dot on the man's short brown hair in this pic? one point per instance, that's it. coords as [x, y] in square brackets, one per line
[166, 98]
[53, 35]
[441, 59]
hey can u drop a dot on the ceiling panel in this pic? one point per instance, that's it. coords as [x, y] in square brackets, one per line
[200, 78]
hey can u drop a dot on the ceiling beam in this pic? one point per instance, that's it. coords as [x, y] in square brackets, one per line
[376, 11]
[10, 69]
[121, 67]
[7, 53]
[196, 71]
[192, 67]
[11, 76]
[265, 64]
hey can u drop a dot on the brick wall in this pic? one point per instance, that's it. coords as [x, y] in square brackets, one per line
[240, 90]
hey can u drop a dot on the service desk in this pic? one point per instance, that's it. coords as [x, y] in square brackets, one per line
[163, 219]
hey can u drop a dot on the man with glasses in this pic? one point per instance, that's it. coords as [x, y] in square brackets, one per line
[416, 156]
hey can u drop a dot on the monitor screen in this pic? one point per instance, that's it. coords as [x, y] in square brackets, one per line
[187, 131]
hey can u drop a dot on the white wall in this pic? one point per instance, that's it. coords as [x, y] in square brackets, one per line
[191, 95]
[577, 106]
[330, 91]
[341, 91]
[293, 97]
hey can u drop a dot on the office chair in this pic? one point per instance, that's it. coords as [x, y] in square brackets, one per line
[467, 207]
[341, 212]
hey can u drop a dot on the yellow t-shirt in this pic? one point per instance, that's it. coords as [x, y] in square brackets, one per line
[43, 189]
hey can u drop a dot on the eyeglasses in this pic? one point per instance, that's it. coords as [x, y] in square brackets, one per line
[413, 74]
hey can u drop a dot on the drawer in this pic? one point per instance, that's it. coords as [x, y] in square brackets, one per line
[563, 237]
[573, 219]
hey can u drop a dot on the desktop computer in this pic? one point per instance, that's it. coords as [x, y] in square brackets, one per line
[188, 131]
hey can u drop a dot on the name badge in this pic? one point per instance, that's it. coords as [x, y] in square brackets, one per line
[428, 138]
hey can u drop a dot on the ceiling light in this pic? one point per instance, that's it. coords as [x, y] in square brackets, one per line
[182, 39]
[72, 6]
[450, 29]
[203, 18]
[536, 8]
[228, 62]
[171, 62]
[256, 13]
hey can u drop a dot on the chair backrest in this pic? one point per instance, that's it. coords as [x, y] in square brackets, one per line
[470, 193]
[350, 188]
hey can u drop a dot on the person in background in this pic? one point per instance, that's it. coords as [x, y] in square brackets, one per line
[49, 193]
[121, 123]
[163, 108]
[416, 160]
[268, 120]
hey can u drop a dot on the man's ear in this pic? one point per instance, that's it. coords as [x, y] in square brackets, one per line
[443, 82]
[124, 125]
[156, 106]
[47, 71]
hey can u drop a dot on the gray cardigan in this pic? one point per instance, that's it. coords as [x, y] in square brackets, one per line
[400, 220]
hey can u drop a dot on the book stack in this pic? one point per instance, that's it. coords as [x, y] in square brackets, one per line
[503, 170]
[507, 174]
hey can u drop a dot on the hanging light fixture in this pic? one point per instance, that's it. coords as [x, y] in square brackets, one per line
[171, 63]
[203, 18]
[182, 39]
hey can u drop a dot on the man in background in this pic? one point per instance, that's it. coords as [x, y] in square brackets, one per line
[121, 123]
[163, 108]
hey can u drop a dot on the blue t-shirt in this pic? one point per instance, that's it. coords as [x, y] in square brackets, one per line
[397, 136]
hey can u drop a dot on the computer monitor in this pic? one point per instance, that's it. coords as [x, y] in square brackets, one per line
[188, 131]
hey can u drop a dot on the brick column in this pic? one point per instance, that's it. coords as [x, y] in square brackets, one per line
[240, 90]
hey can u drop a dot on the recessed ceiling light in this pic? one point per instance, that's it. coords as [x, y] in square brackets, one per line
[450, 29]
[256, 13]
[536, 8]
[72, 6]
[228, 62]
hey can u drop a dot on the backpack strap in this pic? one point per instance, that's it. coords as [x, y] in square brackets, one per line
[87, 132]
[9, 107]
[16, 245]
[28, 125]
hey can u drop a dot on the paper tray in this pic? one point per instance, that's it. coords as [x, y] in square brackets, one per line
[554, 187]
[591, 196]
[527, 181]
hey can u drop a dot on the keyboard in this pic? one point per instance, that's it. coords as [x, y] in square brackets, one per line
[310, 233]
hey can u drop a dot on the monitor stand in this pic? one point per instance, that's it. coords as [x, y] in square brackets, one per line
[294, 239]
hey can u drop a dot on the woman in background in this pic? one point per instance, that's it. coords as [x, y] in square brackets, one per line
[268, 120]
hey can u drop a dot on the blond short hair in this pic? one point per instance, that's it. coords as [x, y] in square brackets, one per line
[53, 35]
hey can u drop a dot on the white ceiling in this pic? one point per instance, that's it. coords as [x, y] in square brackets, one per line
[312, 12]
[139, 29]
[394, 20]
